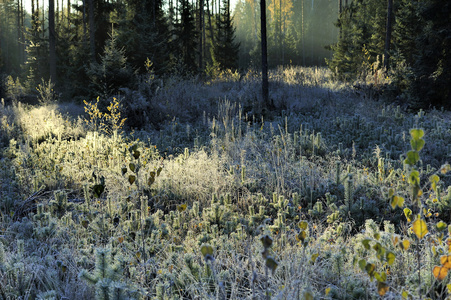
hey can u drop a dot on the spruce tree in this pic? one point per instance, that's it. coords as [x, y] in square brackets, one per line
[185, 41]
[225, 49]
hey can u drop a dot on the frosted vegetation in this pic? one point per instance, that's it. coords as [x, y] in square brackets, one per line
[332, 197]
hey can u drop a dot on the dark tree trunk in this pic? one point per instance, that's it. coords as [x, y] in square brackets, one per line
[209, 24]
[388, 34]
[84, 23]
[52, 41]
[264, 45]
[201, 13]
[92, 30]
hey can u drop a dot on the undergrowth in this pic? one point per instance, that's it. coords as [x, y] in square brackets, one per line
[328, 198]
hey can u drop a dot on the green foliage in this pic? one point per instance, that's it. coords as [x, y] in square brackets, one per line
[113, 72]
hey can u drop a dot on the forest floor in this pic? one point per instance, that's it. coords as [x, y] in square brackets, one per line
[338, 194]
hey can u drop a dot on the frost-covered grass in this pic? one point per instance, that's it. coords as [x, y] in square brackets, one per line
[92, 214]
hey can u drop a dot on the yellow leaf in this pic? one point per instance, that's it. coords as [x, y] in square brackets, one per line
[405, 294]
[420, 228]
[405, 244]
[440, 272]
[120, 239]
[382, 288]
[445, 260]
[314, 257]
[327, 291]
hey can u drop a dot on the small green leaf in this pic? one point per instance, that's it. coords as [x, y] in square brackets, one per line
[131, 179]
[412, 158]
[377, 235]
[378, 277]
[271, 264]
[303, 225]
[314, 257]
[366, 244]
[362, 264]
[132, 167]
[390, 258]
[397, 201]
[98, 190]
[441, 226]
[159, 171]
[417, 145]
[301, 236]
[206, 250]
[370, 269]
[434, 179]
[151, 178]
[136, 154]
[391, 192]
[408, 214]
[416, 133]
[124, 170]
[181, 207]
[266, 241]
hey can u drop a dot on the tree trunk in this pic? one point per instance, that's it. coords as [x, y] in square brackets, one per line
[92, 30]
[84, 23]
[201, 12]
[209, 23]
[264, 45]
[52, 41]
[388, 34]
[68, 13]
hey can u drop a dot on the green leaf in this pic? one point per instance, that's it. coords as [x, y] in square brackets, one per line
[412, 158]
[301, 236]
[414, 178]
[314, 257]
[408, 214]
[266, 241]
[390, 258]
[131, 179]
[417, 145]
[397, 201]
[416, 133]
[206, 250]
[441, 226]
[159, 171]
[434, 179]
[136, 154]
[182, 207]
[370, 269]
[366, 243]
[124, 170]
[271, 264]
[391, 192]
[98, 190]
[151, 178]
[362, 264]
[132, 167]
[303, 225]
[378, 277]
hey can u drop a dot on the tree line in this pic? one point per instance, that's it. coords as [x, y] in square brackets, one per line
[407, 40]
[92, 47]
[98, 46]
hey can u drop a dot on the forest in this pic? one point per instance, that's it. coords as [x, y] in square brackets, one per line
[272, 149]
